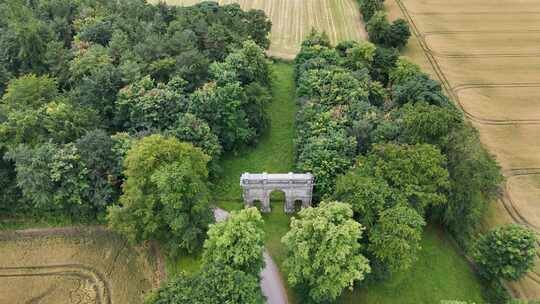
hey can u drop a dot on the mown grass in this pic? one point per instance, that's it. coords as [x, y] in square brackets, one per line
[440, 273]
[274, 151]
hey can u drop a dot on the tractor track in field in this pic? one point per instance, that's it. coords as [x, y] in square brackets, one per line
[87, 276]
[516, 54]
[487, 121]
[100, 285]
[453, 92]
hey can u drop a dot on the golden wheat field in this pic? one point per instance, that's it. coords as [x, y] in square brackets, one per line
[65, 265]
[485, 53]
[292, 20]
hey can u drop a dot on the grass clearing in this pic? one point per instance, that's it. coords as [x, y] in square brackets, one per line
[274, 152]
[293, 20]
[439, 274]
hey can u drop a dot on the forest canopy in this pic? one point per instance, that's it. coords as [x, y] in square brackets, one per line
[82, 81]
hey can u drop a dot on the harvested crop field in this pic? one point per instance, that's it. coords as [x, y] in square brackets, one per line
[292, 20]
[486, 55]
[66, 265]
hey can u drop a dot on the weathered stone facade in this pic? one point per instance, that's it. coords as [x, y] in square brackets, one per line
[258, 187]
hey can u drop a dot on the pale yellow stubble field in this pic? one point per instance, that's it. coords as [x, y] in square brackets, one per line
[292, 20]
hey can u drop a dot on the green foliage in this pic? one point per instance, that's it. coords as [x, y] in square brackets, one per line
[212, 285]
[147, 106]
[386, 34]
[34, 112]
[332, 87]
[367, 195]
[474, 180]
[415, 171]
[323, 253]
[425, 123]
[237, 242]
[378, 28]
[404, 71]
[506, 252]
[395, 239]
[222, 107]
[52, 177]
[419, 88]
[398, 34]
[165, 194]
[327, 156]
[249, 64]
[191, 129]
[368, 8]
[357, 55]
[383, 63]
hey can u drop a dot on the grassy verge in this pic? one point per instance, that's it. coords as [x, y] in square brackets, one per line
[439, 274]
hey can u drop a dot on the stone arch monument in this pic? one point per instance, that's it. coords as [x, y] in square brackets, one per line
[259, 186]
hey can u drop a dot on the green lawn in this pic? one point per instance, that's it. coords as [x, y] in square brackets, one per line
[274, 151]
[440, 273]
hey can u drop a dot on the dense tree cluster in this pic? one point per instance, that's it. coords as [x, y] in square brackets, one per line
[380, 30]
[81, 81]
[232, 262]
[381, 136]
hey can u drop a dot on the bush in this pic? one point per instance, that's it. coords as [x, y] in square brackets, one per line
[507, 252]
[368, 8]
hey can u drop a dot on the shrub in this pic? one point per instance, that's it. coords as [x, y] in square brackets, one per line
[506, 252]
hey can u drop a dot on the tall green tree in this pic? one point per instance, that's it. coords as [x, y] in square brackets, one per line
[323, 252]
[395, 239]
[222, 107]
[367, 195]
[165, 194]
[237, 242]
[416, 171]
[145, 105]
[52, 178]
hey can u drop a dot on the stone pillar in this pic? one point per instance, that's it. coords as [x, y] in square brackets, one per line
[306, 203]
[265, 203]
[289, 203]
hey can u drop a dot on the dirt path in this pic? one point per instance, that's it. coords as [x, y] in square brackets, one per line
[496, 85]
[271, 283]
